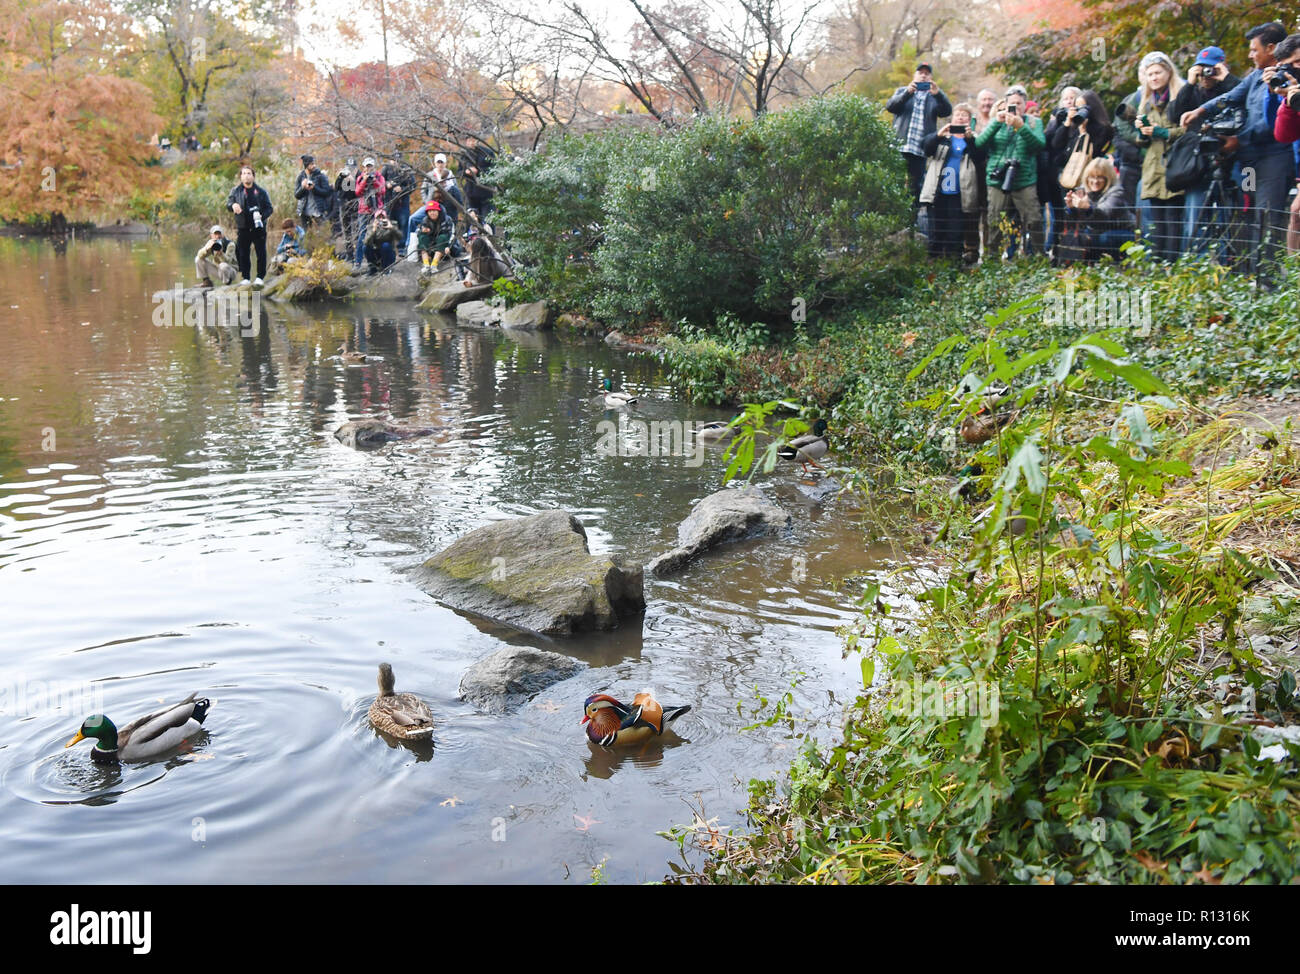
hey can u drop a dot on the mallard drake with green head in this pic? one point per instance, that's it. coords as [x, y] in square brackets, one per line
[145, 737]
[808, 448]
[616, 400]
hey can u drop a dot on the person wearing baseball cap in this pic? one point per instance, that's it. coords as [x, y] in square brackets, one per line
[211, 260]
[917, 107]
[1207, 78]
[314, 193]
[434, 236]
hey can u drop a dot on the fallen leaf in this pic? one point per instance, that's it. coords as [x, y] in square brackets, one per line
[453, 801]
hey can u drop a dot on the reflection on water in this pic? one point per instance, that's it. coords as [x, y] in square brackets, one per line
[175, 515]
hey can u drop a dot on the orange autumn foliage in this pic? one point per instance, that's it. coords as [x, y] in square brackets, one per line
[74, 136]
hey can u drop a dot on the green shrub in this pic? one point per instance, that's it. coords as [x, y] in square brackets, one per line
[765, 219]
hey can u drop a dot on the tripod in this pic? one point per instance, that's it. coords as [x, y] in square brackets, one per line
[1219, 220]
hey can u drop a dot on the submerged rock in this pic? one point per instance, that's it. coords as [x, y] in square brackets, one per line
[366, 433]
[525, 317]
[720, 518]
[510, 676]
[536, 574]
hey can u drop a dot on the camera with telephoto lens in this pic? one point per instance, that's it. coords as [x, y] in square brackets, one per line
[1286, 75]
[1080, 114]
[1222, 126]
[1005, 174]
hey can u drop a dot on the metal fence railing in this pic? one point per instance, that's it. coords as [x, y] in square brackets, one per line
[1250, 239]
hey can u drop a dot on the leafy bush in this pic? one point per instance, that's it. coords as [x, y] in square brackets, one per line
[762, 219]
[1050, 719]
[198, 196]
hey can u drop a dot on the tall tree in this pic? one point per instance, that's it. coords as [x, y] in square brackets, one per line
[1103, 51]
[76, 133]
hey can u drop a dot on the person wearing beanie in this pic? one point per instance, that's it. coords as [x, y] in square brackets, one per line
[313, 193]
[917, 108]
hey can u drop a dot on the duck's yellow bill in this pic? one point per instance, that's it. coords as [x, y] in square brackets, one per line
[80, 737]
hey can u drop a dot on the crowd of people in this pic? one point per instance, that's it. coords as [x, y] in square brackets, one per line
[368, 212]
[1206, 162]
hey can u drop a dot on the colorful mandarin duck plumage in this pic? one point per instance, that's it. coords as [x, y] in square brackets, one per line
[610, 722]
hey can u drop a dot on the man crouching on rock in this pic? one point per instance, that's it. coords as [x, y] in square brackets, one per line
[211, 260]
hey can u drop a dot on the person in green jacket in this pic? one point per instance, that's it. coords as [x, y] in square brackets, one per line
[1013, 141]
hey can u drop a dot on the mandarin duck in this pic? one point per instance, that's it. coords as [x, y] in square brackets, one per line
[610, 722]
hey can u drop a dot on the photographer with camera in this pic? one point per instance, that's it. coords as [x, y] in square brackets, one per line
[951, 188]
[313, 193]
[1078, 133]
[1207, 78]
[1013, 142]
[917, 108]
[1153, 131]
[345, 204]
[252, 208]
[1287, 127]
[370, 189]
[211, 259]
[1049, 166]
[399, 182]
[1098, 220]
[1268, 167]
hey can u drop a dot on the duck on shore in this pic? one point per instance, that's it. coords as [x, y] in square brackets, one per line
[808, 448]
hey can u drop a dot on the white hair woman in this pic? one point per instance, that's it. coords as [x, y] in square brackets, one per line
[1157, 128]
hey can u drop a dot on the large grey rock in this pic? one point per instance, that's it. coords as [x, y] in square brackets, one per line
[400, 282]
[525, 317]
[367, 433]
[535, 573]
[510, 676]
[446, 297]
[726, 516]
[477, 313]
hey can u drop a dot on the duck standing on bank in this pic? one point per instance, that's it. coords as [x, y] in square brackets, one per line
[808, 448]
[610, 723]
[145, 737]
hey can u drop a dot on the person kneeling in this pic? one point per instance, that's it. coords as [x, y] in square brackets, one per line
[211, 260]
[290, 246]
[1098, 219]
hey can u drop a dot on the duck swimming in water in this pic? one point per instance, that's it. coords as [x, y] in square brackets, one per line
[145, 737]
[610, 722]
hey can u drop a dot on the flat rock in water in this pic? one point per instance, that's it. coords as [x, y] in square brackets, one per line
[399, 282]
[477, 313]
[536, 574]
[446, 297]
[822, 491]
[510, 677]
[364, 434]
[525, 317]
[720, 518]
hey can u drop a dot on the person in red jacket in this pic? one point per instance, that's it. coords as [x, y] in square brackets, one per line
[1286, 128]
[370, 189]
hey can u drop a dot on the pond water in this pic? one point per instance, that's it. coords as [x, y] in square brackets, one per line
[175, 516]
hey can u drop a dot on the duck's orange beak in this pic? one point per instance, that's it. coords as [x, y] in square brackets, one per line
[585, 718]
[80, 737]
